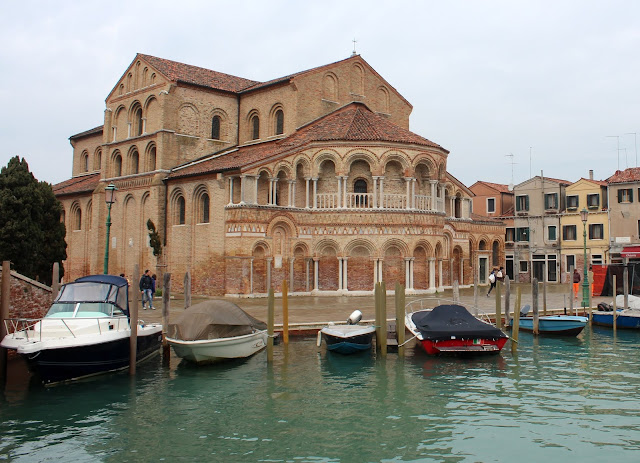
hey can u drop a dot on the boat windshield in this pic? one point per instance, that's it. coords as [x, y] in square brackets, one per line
[84, 310]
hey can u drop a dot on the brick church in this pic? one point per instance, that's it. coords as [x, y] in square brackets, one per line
[313, 178]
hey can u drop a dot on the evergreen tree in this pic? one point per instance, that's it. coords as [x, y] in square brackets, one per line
[31, 234]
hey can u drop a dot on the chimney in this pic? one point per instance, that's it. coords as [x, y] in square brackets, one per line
[590, 174]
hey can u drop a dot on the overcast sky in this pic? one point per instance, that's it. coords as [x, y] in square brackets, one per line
[486, 78]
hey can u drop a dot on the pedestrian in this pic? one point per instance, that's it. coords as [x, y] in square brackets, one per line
[500, 275]
[146, 286]
[576, 282]
[492, 280]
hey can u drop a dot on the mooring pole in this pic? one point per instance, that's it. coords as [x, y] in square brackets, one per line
[187, 290]
[507, 300]
[270, 324]
[475, 294]
[133, 323]
[400, 328]
[376, 301]
[625, 284]
[498, 305]
[166, 302]
[615, 306]
[571, 295]
[534, 303]
[5, 301]
[285, 312]
[55, 281]
[544, 297]
[515, 332]
[383, 317]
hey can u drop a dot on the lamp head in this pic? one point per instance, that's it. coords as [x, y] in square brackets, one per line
[584, 213]
[110, 193]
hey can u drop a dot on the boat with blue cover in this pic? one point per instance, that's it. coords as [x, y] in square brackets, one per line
[347, 339]
[85, 332]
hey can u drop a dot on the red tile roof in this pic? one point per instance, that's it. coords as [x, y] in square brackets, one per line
[632, 174]
[75, 185]
[180, 72]
[496, 186]
[597, 182]
[352, 122]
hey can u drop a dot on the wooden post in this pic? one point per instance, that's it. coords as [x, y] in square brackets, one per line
[590, 298]
[625, 284]
[187, 290]
[5, 301]
[133, 323]
[544, 296]
[615, 307]
[498, 305]
[400, 328]
[270, 324]
[507, 300]
[378, 322]
[475, 294]
[571, 295]
[166, 301]
[55, 281]
[383, 318]
[515, 332]
[456, 291]
[534, 303]
[285, 312]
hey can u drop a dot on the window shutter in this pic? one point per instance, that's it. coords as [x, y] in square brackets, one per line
[619, 196]
[546, 201]
[526, 203]
[518, 204]
[630, 195]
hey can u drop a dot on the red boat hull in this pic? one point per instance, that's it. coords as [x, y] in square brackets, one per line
[464, 346]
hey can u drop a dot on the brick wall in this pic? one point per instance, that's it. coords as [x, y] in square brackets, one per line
[29, 299]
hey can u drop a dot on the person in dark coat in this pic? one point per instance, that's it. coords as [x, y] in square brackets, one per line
[146, 287]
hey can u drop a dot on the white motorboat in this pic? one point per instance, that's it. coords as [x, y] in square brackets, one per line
[85, 332]
[216, 330]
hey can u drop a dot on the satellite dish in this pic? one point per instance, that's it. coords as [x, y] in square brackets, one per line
[510, 187]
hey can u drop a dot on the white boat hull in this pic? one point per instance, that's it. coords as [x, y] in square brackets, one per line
[216, 350]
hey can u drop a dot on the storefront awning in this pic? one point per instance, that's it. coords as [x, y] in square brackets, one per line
[630, 252]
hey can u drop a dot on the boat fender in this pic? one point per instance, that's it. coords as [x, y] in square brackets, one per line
[525, 310]
[603, 306]
[319, 341]
[354, 318]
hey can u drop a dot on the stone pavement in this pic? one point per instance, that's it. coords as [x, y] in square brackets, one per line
[319, 310]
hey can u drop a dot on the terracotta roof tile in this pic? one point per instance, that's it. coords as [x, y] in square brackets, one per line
[75, 185]
[632, 174]
[353, 122]
[496, 186]
[180, 72]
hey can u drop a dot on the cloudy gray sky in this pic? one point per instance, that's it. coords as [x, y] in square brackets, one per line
[486, 78]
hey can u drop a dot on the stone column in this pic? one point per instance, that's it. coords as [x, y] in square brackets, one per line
[344, 192]
[452, 205]
[433, 194]
[230, 191]
[413, 192]
[411, 262]
[307, 263]
[407, 181]
[432, 273]
[345, 285]
[339, 273]
[375, 192]
[441, 285]
[442, 196]
[251, 275]
[381, 270]
[274, 191]
[315, 193]
[315, 273]
[339, 191]
[382, 192]
[269, 260]
[291, 259]
[306, 196]
[144, 125]
[462, 271]
[292, 193]
[243, 179]
[407, 264]
[375, 271]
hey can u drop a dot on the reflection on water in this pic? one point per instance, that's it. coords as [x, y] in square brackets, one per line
[557, 399]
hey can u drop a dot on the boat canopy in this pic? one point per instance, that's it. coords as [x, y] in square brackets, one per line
[445, 321]
[212, 320]
[96, 288]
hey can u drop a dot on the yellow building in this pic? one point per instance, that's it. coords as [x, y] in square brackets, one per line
[591, 195]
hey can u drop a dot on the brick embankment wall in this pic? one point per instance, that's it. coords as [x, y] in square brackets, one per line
[29, 299]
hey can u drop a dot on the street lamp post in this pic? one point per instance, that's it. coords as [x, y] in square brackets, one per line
[109, 197]
[584, 214]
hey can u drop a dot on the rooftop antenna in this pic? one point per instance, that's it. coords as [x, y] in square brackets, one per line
[635, 142]
[510, 155]
[354, 47]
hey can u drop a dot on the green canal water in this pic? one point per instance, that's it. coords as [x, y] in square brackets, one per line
[556, 400]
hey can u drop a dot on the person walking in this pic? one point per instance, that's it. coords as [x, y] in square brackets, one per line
[146, 287]
[576, 283]
[492, 280]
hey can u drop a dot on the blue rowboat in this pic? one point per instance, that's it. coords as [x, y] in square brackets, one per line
[564, 325]
[626, 318]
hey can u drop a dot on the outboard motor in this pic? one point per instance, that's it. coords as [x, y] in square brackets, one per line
[354, 318]
[525, 310]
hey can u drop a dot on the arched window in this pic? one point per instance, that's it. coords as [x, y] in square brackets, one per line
[97, 160]
[181, 212]
[279, 122]
[135, 162]
[84, 162]
[152, 159]
[255, 127]
[360, 188]
[215, 128]
[495, 253]
[76, 217]
[204, 208]
[137, 122]
[117, 165]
